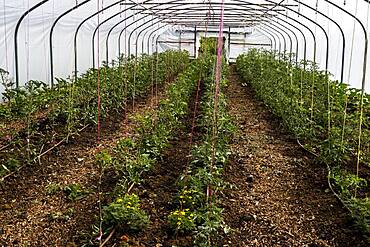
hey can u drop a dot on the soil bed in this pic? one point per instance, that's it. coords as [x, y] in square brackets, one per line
[159, 189]
[282, 196]
[32, 216]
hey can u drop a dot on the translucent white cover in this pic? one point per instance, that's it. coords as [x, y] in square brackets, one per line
[34, 31]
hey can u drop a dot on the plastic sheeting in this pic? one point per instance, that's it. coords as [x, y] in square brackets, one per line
[33, 38]
[34, 43]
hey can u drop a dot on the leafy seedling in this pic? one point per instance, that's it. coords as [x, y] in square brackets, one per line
[75, 192]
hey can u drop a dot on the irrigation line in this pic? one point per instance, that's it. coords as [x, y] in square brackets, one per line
[328, 177]
[39, 156]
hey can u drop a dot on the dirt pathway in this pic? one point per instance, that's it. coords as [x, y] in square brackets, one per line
[34, 211]
[160, 188]
[282, 197]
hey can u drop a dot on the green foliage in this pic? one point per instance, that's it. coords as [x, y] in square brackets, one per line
[75, 192]
[324, 114]
[153, 130]
[348, 183]
[72, 103]
[191, 198]
[104, 159]
[210, 221]
[9, 165]
[182, 220]
[209, 45]
[209, 156]
[361, 212]
[60, 216]
[299, 95]
[53, 188]
[126, 212]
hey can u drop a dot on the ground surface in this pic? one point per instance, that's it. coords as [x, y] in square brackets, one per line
[281, 196]
[31, 214]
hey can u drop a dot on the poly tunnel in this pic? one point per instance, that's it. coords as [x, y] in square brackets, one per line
[184, 123]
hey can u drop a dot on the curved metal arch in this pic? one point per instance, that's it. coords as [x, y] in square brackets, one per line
[274, 34]
[149, 1]
[314, 22]
[148, 37]
[125, 28]
[109, 33]
[304, 43]
[297, 46]
[270, 39]
[307, 18]
[243, 11]
[290, 39]
[147, 29]
[143, 40]
[304, 37]
[266, 33]
[245, 2]
[267, 22]
[51, 37]
[276, 30]
[129, 49]
[16, 38]
[182, 3]
[364, 67]
[151, 33]
[129, 38]
[341, 32]
[102, 23]
[175, 2]
[282, 30]
[137, 36]
[79, 27]
[156, 41]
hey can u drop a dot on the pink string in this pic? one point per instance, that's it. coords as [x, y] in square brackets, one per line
[219, 48]
[217, 92]
[198, 90]
[98, 89]
[218, 71]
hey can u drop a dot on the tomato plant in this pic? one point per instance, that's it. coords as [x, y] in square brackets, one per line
[322, 113]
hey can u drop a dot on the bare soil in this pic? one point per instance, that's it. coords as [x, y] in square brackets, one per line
[32, 216]
[158, 191]
[281, 197]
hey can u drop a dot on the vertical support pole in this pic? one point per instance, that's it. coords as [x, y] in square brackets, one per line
[180, 41]
[229, 43]
[195, 41]
[16, 39]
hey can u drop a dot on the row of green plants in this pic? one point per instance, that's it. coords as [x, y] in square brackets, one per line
[134, 156]
[197, 211]
[325, 115]
[75, 100]
[46, 115]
